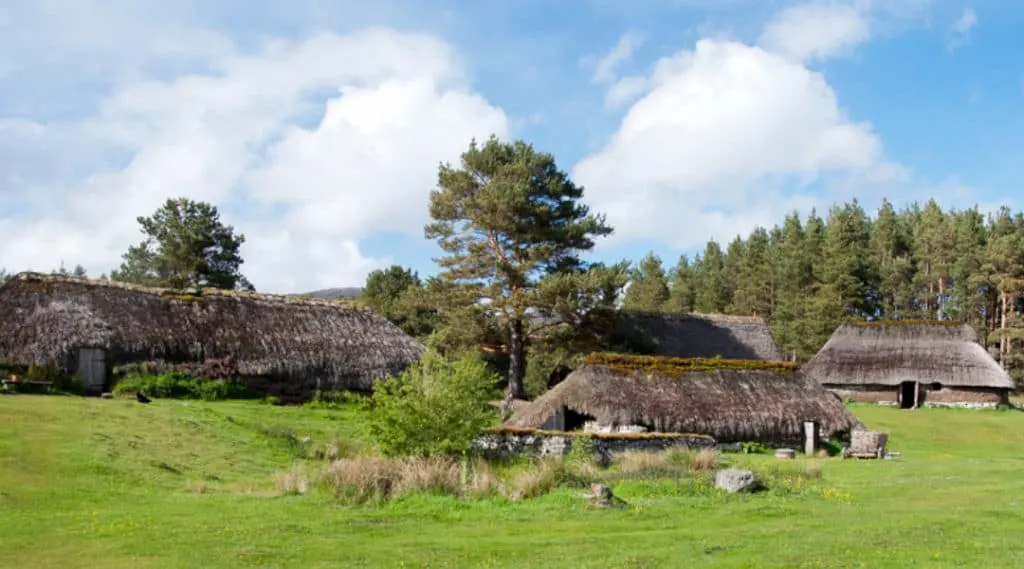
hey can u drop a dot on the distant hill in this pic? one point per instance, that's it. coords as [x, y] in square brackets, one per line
[350, 293]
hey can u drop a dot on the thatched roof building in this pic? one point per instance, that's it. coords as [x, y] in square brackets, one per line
[910, 364]
[689, 335]
[730, 400]
[306, 344]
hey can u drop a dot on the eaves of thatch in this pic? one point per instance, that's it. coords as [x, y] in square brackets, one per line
[690, 335]
[889, 353]
[740, 403]
[45, 319]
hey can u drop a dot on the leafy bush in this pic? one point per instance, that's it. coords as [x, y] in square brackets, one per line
[753, 448]
[175, 385]
[334, 399]
[436, 407]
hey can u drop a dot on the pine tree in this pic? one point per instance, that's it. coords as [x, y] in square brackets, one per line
[648, 288]
[966, 297]
[845, 278]
[709, 292]
[891, 249]
[793, 278]
[732, 266]
[934, 251]
[1003, 268]
[681, 287]
[506, 219]
[755, 279]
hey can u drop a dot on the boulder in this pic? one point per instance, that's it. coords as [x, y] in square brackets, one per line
[785, 453]
[601, 496]
[735, 480]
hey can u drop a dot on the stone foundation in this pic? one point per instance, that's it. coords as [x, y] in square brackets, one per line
[943, 397]
[503, 445]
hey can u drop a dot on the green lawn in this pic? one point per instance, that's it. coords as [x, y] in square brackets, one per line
[95, 483]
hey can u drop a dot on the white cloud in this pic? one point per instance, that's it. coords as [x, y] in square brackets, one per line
[960, 31]
[303, 197]
[725, 137]
[604, 70]
[816, 31]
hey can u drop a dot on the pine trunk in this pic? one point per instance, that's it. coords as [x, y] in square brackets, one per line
[516, 359]
[942, 299]
[1002, 329]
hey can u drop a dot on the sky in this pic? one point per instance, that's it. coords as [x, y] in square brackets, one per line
[317, 126]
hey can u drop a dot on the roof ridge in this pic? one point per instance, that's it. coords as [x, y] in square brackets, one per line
[190, 293]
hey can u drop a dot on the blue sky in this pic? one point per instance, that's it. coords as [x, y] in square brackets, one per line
[317, 126]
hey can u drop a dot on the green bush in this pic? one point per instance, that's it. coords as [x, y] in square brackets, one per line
[175, 385]
[436, 407]
[753, 448]
[334, 399]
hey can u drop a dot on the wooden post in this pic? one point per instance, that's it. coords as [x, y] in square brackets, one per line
[917, 393]
[810, 437]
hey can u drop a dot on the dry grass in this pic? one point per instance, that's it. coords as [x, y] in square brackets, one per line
[482, 480]
[544, 476]
[373, 478]
[705, 460]
[295, 481]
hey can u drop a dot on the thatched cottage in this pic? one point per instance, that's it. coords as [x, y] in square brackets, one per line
[289, 346]
[690, 335]
[730, 400]
[910, 364]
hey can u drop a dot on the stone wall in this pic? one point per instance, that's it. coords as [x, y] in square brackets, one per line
[501, 445]
[971, 398]
[942, 397]
[883, 395]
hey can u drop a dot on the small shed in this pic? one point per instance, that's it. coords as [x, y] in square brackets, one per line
[910, 364]
[730, 400]
[286, 346]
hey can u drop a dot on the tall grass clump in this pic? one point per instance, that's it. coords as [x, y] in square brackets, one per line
[434, 408]
[376, 479]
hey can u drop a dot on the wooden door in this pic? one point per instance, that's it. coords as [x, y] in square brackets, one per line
[92, 367]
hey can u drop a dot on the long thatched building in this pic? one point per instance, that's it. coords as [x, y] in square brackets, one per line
[288, 346]
[910, 364]
[690, 335]
[730, 400]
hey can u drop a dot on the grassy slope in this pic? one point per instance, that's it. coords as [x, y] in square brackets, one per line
[88, 483]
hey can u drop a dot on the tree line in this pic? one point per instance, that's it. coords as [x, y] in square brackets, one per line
[512, 284]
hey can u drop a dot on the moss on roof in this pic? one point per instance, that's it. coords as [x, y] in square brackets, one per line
[674, 367]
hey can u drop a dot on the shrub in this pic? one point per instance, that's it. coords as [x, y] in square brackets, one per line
[435, 407]
[176, 385]
[334, 399]
[753, 448]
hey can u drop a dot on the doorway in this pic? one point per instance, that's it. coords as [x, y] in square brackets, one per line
[908, 395]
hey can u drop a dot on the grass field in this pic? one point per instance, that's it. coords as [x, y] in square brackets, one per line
[96, 483]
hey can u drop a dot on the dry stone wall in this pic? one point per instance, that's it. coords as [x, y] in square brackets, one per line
[502, 445]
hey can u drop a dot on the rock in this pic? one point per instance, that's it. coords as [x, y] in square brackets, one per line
[785, 453]
[106, 395]
[735, 480]
[601, 496]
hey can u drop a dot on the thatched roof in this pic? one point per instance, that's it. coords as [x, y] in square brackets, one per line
[729, 400]
[44, 319]
[888, 353]
[688, 335]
